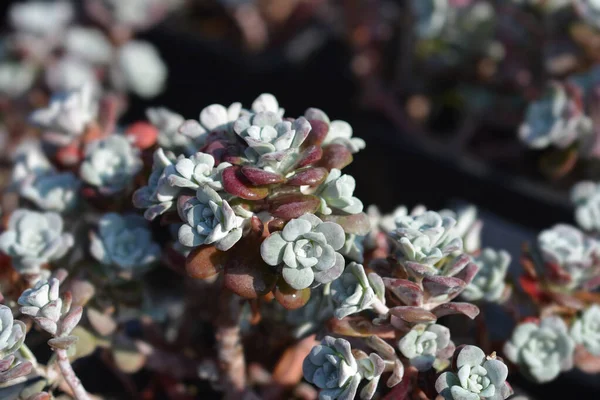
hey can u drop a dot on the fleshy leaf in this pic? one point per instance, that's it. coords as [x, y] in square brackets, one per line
[308, 176]
[467, 309]
[335, 155]
[355, 224]
[413, 314]
[235, 183]
[205, 261]
[294, 205]
[261, 177]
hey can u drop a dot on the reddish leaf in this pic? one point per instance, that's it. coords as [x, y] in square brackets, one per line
[355, 224]
[335, 155]
[308, 176]
[530, 286]
[413, 314]
[294, 205]
[261, 177]
[468, 273]
[309, 156]
[443, 285]
[585, 361]
[205, 261]
[317, 134]
[237, 184]
[406, 291]
[144, 134]
[289, 297]
[358, 326]
[467, 309]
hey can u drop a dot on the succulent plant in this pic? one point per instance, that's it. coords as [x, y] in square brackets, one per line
[331, 366]
[542, 351]
[214, 118]
[353, 249]
[586, 330]
[572, 255]
[339, 131]
[40, 17]
[33, 239]
[110, 164]
[424, 240]
[197, 171]
[586, 198]
[427, 345]
[88, 44]
[477, 377]
[16, 78]
[12, 332]
[29, 163]
[265, 132]
[468, 227]
[589, 11]
[140, 69]
[554, 119]
[209, 219]
[71, 73]
[43, 303]
[306, 247]
[488, 284]
[168, 123]
[124, 241]
[158, 196]
[336, 194]
[57, 192]
[266, 102]
[69, 112]
[354, 291]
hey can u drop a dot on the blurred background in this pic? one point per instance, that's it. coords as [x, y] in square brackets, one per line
[490, 102]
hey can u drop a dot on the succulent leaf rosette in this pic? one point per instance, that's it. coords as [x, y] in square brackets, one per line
[69, 112]
[159, 195]
[198, 171]
[586, 330]
[488, 283]
[43, 301]
[209, 219]
[33, 239]
[57, 192]
[571, 255]
[427, 345]
[468, 227]
[12, 332]
[307, 249]
[214, 118]
[110, 164]
[477, 377]
[424, 240]
[586, 198]
[124, 241]
[354, 291]
[336, 194]
[332, 367]
[555, 119]
[542, 351]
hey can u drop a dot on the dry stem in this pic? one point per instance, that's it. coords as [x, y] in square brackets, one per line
[67, 371]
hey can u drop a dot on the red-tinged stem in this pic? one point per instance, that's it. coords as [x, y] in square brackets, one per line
[230, 351]
[67, 371]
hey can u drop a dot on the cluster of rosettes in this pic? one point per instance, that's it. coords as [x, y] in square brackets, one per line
[240, 178]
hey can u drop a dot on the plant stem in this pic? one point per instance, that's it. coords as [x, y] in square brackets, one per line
[229, 346]
[67, 371]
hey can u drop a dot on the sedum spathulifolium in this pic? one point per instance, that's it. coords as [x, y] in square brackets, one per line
[542, 351]
[585, 330]
[476, 377]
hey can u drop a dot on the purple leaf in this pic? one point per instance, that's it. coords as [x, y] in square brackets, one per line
[443, 285]
[308, 176]
[468, 273]
[205, 261]
[293, 205]
[467, 309]
[309, 155]
[261, 177]
[335, 155]
[319, 131]
[458, 264]
[413, 314]
[355, 224]
[235, 183]
[406, 291]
